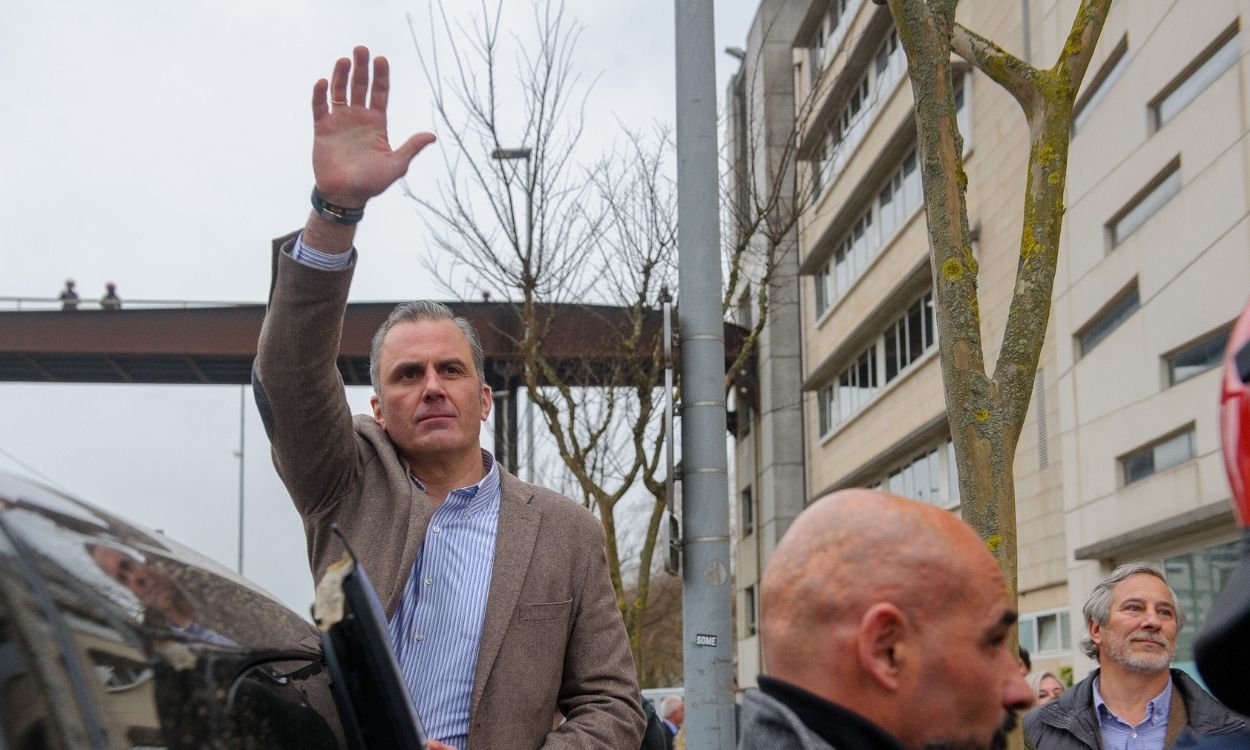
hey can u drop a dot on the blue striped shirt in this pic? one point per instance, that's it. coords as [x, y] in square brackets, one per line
[310, 256]
[438, 624]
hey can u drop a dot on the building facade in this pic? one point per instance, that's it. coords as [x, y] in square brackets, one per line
[1119, 455]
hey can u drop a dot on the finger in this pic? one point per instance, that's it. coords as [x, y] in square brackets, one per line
[338, 81]
[413, 146]
[319, 106]
[360, 76]
[381, 84]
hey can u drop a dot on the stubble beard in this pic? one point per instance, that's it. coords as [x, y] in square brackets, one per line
[997, 742]
[1146, 663]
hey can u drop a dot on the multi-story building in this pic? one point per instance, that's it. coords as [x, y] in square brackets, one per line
[1118, 457]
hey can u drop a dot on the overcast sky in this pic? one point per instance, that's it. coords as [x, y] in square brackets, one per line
[162, 146]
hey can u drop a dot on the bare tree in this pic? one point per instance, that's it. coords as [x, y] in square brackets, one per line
[534, 227]
[986, 411]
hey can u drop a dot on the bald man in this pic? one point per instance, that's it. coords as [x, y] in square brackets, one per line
[884, 624]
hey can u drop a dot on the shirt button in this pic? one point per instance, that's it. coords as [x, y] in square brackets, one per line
[437, 529]
[1134, 735]
[428, 581]
[420, 637]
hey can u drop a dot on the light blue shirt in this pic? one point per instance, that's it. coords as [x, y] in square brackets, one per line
[1148, 735]
[437, 625]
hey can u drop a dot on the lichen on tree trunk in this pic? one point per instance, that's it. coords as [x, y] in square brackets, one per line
[986, 411]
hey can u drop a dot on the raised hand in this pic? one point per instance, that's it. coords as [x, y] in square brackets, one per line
[352, 157]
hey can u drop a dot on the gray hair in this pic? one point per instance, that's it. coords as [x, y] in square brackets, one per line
[1098, 606]
[669, 704]
[417, 311]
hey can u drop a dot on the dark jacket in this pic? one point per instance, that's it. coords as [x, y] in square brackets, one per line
[1070, 722]
[767, 724]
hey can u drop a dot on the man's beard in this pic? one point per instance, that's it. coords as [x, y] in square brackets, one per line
[997, 742]
[1148, 663]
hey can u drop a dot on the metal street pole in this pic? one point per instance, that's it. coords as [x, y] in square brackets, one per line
[507, 154]
[242, 424]
[706, 587]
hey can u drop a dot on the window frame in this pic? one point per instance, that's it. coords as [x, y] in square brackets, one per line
[1212, 55]
[1145, 204]
[1032, 621]
[1105, 315]
[746, 508]
[1124, 460]
[1220, 334]
[750, 619]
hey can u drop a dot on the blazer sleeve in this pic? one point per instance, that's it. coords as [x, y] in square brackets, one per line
[599, 692]
[297, 386]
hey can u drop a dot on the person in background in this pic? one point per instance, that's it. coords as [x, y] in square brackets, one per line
[884, 624]
[1133, 698]
[1026, 662]
[110, 300]
[673, 714]
[69, 297]
[1047, 687]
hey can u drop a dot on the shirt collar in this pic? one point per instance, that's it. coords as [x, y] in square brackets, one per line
[1157, 708]
[476, 497]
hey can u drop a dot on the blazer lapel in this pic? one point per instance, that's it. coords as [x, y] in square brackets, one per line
[514, 546]
[420, 510]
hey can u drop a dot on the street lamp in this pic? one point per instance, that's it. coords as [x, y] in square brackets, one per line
[513, 154]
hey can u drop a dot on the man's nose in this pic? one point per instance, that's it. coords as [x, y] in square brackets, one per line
[1017, 695]
[434, 384]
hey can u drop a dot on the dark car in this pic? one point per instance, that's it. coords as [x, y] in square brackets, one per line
[116, 637]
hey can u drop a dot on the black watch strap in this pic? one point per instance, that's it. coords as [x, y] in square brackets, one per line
[336, 214]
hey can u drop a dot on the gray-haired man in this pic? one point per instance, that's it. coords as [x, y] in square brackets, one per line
[1133, 700]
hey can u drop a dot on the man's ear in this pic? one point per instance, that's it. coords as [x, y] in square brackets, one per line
[377, 410]
[885, 643]
[487, 402]
[1095, 632]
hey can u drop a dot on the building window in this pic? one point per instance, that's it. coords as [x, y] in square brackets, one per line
[1158, 456]
[930, 475]
[853, 253]
[748, 610]
[900, 197]
[1197, 578]
[1109, 319]
[1046, 634]
[824, 288]
[1100, 84]
[748, 512]
[1145, 204]
[1200, 74]
[824, 405]
[902, 343]
[909, 337]
[829, 34]
[1198, 357]
[857, 384]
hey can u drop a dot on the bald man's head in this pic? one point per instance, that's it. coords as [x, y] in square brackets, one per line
[864, 597]
[846, 552]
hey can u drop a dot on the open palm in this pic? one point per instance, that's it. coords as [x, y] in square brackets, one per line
[352, 156]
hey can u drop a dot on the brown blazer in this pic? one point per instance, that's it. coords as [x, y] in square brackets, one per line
[552, 637]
